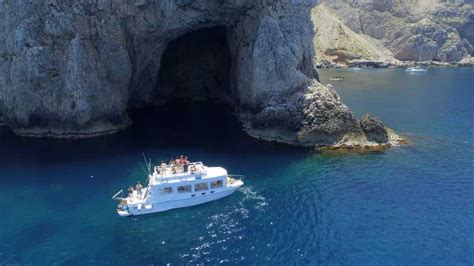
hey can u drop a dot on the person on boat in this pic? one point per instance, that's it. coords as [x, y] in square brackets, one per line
[176, 164]
[171, 162]
[123, 205]
[162, 168]
[139, 187]
[185, 164]
[181, 160]
[130, 191]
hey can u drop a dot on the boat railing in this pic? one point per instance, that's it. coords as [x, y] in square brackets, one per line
[236, 176]
[167, 173]
[116, 196]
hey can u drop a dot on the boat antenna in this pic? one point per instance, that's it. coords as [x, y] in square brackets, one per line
[143, 167]
[421, 51]
[148, 164]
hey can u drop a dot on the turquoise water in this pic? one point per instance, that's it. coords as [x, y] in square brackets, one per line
[408, 205]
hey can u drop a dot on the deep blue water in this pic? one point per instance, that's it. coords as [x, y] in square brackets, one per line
[409, 205]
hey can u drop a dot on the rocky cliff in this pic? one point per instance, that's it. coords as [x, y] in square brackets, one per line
[394, 31]
[75, 68]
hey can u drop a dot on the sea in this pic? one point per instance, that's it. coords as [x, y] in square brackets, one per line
[408, 205]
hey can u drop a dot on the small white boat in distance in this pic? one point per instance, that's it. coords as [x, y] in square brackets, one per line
[177, 186]
[416, 69]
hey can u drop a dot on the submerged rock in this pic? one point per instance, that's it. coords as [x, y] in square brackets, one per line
[373, 129]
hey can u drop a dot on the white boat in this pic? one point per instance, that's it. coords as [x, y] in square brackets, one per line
[174, 186]
[416, 69]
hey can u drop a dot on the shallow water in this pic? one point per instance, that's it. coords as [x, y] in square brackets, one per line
[408, 205]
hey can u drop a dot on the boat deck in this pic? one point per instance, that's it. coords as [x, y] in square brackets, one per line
[168, 176]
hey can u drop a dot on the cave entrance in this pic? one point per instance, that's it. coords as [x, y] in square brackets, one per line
[196, 66]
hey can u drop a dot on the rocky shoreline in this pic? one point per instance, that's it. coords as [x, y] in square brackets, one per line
[380, 64]
[75, 70]
[372, 136]
[97, 131]
[394, 140]
[349, 143]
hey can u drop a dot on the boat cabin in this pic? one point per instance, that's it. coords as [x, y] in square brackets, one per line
[195, 179]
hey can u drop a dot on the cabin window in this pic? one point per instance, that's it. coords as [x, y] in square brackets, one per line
[201, 186]
[166, 190]
[216, 184]
[183, 189]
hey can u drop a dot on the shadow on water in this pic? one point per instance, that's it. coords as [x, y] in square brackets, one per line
[184, 124]
[180, 125]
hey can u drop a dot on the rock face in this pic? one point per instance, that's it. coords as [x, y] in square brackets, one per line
[337, 45]
[374, 129]
[438, 30]
[74, 68]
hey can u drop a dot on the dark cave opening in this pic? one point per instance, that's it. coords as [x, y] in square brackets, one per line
[196, 66]
[193, 97]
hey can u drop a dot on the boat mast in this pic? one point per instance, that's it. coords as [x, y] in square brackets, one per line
[147, 163]
[421, 50]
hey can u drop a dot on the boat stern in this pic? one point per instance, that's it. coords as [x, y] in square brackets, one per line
[238, 183]
[123, 213]
[234, 182]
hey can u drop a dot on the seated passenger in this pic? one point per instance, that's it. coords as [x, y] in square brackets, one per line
[139, 187]
[130, 191]
[181, 160]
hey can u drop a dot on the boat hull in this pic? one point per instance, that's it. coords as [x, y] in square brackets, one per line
[415, 70]
[151, 207]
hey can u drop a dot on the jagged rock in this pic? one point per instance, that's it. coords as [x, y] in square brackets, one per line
[75, 68]
[373, 129]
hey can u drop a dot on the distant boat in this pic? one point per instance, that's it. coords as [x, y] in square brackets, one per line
[337, 78]
[355, 68]
[417, 68]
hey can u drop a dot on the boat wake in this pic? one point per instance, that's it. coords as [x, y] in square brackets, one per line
[260, 202]
[225, 228]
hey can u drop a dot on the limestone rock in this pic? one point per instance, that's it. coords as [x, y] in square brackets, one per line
[75, 68]
[337, 45]
[374, 129]
[439, 30]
